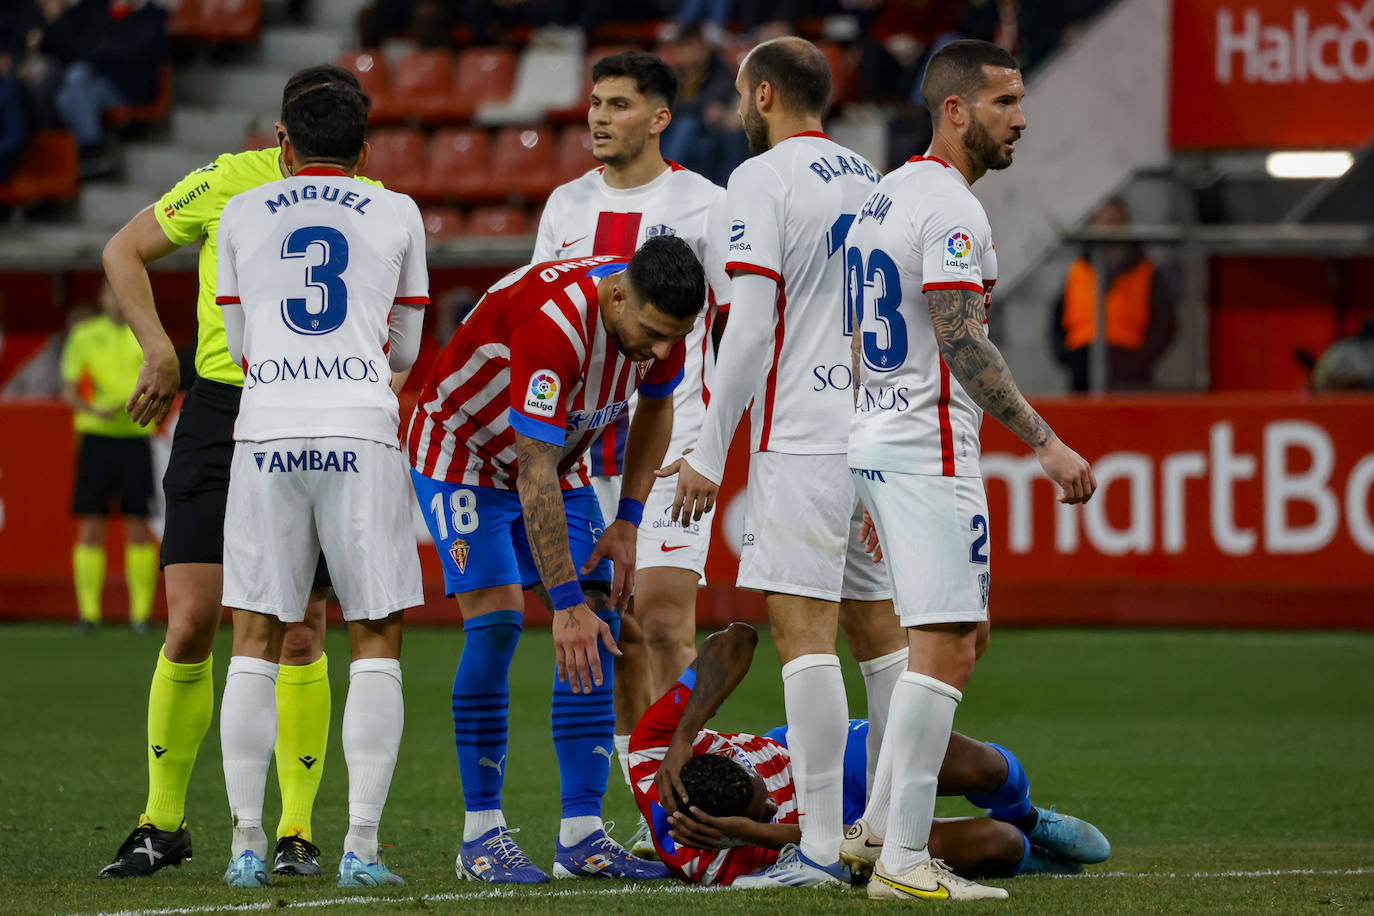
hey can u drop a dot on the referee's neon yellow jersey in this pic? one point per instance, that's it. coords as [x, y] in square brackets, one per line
[102, 358]
[190, 211]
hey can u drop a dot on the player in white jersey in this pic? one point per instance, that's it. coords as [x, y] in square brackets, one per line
[636, 195]
[920, 267]
[322, 282]
[786, 349]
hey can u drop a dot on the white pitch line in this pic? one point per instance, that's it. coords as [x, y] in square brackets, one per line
[499, 893]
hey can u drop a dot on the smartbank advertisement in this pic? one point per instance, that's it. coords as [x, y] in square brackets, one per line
[1231, 510]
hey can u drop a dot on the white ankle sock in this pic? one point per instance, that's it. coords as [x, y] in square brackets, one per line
[247, 732]
[817, 722]
[922, 718]
[880, 676]
[476, 823]
[622, 750]
[372, 722]
[573, 830]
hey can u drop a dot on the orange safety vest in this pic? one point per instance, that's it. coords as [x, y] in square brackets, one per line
[1128, 306]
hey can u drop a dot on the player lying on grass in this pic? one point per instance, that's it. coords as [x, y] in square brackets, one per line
[724, 805]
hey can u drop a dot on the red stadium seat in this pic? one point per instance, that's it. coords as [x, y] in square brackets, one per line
[421, 87]
[498, 221]
[523, 162]
[230, 20]
[574, 154]
[184, 21]
[155, 110]
[48, 171]
[399, 160]
[460, 166]
[369, 66]
[443, 223]
[843, 64]
[259, 139]
[484, 75]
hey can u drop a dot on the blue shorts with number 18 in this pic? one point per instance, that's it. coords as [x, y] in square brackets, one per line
[480, 534]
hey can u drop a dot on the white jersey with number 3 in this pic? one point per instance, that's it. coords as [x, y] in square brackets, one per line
[789, 209]
[317, 261]
[921, 230]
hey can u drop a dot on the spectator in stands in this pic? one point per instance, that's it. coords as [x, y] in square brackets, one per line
[1139, 310]
[705, 134]
[1348, 364]
[113, 54]
[14, 119]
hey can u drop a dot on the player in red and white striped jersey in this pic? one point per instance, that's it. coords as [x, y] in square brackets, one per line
[786, 349]
[548, 358]
[740, 805]
[636, 195]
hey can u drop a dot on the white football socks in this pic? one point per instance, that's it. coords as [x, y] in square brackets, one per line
[880, 676]
[247, 732]
[476, 823]
[922, 717]
[622, 750]
[372, 723]
[573, 830]
[817, 723]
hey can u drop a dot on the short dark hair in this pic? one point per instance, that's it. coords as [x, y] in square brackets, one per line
[717, 785]
[957, 69]
[327, 122]
[665, 271]
[795, 68]
[651, 75]
[315, 76]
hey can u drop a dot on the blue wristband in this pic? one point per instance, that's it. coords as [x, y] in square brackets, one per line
[567, 595]
[630, 510]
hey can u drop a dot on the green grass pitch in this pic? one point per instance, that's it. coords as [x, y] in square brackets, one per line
[1233, 772]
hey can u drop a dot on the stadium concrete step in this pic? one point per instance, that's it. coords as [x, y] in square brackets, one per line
[254, 87]
[213, 130]
[112, 205]
[299, 45]
[160, 165]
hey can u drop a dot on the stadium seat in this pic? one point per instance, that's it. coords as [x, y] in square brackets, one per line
[843, 64]
[48, 171]
[184, 20]
[573, 156]
[460, 166]
[399, 159]
[577, 112]
[483, 75]
[443, 223]
[230, 20]
[259, 139]
[370, 67]
[155, 110]
[421, 87]
[523, 163]
[498, 221]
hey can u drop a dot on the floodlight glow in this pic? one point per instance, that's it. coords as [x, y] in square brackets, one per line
[1308, 165]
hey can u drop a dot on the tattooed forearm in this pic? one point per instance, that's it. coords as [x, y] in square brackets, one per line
[957, 316]
[541, 503]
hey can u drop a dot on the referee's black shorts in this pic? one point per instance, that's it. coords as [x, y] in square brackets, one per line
[113, 466]
[196, 484]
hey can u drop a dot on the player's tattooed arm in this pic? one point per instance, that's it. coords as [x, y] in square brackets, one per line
[957, 315]
[720, 666]
[541, 503]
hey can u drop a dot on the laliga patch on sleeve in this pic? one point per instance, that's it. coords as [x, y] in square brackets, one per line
[542, 397]
[958, 253]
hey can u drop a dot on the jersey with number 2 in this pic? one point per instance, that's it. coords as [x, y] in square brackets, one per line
[317, 262]
[921, 230]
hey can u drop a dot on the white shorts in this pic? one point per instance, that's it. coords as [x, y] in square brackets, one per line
[664, 542]
[290, 498]
[801, 531]
[934, 532]
[607, 490]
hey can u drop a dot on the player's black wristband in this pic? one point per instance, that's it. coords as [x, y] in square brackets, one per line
[567, 595]
[630, 510]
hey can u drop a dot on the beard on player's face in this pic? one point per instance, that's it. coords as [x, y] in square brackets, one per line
[983, 150]
[755, 128]
[623, 153]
